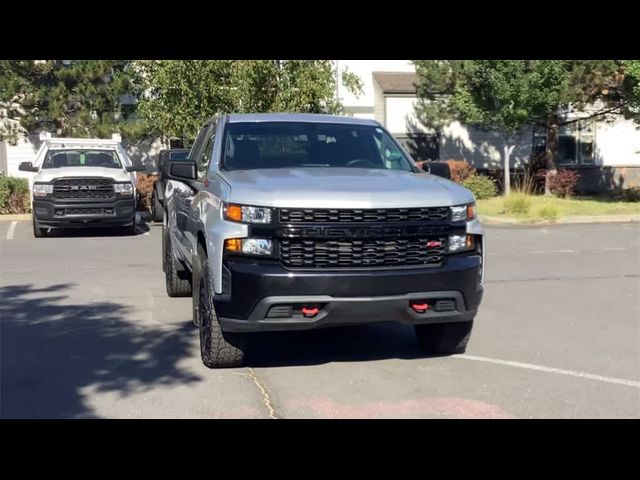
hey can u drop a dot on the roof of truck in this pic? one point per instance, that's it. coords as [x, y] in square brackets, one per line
[299, 117]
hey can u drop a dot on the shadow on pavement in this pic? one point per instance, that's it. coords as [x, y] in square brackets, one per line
[53, 353]
[336, 344]
[143, 223]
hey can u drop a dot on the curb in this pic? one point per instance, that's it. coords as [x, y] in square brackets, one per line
[566, 220]
[15, 217]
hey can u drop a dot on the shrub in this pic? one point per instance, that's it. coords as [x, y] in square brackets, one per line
[14, 195]
[144, 186]
[549, 212]
[517, 204]
[631, 194]
[460, 170]
[563, 183]
[481, 186]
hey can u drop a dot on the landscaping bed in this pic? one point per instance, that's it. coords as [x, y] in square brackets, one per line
[539, 208]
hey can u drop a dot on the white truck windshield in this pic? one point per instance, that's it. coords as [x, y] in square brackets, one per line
[59, 158]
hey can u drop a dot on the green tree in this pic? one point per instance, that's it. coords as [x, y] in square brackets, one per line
[632, 78]
[508, 95]
[69, 98]
[181, 94]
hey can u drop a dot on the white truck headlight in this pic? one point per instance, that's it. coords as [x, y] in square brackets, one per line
[460, 213]
[246, 214]
[41, 189]
[123, 188]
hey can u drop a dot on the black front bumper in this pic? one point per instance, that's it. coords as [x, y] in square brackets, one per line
[252, 287]
[61, 213]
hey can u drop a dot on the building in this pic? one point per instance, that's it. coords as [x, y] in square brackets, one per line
[606, 153]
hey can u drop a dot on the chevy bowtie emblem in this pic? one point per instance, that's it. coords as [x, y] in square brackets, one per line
[434, 243]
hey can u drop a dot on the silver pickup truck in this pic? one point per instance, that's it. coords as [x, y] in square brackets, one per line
[300, 221]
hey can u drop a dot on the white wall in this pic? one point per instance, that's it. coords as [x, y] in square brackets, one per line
[364, 69]
[483, 149]
[25, 150]
[400, 114]
[617, 143]
[144, 151]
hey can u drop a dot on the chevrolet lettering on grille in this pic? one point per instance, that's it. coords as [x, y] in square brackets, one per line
[361, 232]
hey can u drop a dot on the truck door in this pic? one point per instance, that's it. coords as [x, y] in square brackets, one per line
[203, 162]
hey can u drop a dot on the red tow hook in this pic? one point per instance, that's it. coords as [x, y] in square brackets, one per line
[309, 312]
[420, 307]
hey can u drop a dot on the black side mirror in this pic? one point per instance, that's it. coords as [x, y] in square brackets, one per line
[180, 170]
[441, 169]
[137, 167]
[27, 167]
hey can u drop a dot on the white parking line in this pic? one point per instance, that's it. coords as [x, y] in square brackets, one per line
[12, 229]
[540, 368]
[552, 251]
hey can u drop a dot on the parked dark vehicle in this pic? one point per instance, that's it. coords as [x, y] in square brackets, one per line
[157, 200]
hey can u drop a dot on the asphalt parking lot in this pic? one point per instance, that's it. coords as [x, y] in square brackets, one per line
[87, 331]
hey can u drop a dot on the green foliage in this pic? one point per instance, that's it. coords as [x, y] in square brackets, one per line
[182, 94]
[14, 195]
[517, 204]
[483, 187]
[549, 212]
[632, 80]
[79, 98]
[510, 94]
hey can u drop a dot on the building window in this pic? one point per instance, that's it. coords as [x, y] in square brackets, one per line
[576, 143]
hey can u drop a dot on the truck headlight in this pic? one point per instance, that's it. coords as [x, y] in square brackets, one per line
[246, 214]
[461, 243]
[249, 246]
[42, 189]
[461, 213]
[123, 188]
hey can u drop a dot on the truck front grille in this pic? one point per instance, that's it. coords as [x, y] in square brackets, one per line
[84, 211]
[362, 253]
[429, 214]
[83, 188]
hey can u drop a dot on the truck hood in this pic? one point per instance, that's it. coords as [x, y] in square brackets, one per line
[342, 188]
[50, 174]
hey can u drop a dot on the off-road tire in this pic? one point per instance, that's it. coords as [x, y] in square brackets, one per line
[156, 208]
[218, 349]
[444, 338]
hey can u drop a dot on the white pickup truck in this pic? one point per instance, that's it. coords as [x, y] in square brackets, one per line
[81, 182]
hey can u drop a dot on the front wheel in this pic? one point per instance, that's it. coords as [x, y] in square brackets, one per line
[38, 231]
[156, 209]
[218, 349]
[444, 338]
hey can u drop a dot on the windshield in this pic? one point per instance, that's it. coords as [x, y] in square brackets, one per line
[81, 158]
[301, 144]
